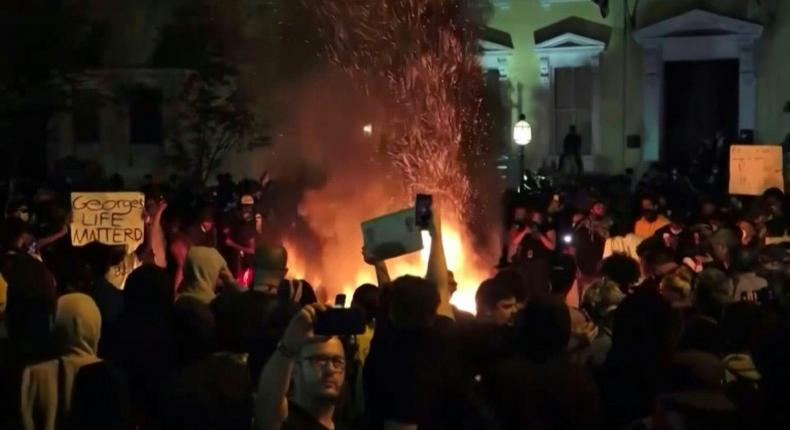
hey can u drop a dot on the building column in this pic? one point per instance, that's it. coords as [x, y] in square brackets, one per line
[653, 99]
[747, 85]
[595, 114]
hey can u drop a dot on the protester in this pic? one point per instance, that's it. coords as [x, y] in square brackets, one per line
[202, 232]
[723, 244]
[590, 240]
[746, 283]
[531, 246]
[681, 322]
[271, 266]
[203, 271]
[651, 220]
[240, 239]
[314, 366]
[496, 302]
[600, 302]
[142, 342]
[570, 163]
[30, 309]
[702, 331]
[47, 387]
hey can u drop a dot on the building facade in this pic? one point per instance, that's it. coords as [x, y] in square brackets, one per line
[648, 83]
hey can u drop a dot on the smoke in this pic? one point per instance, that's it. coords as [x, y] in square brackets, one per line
[408, 70]
[344, 176]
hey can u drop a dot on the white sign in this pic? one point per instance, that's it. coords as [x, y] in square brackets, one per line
[392, 235]
[755, 168]
[109, 218]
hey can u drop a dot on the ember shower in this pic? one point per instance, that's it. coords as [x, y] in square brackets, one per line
[409, 68]
[422, 55]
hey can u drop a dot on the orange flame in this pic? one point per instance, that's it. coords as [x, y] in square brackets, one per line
[468, 271]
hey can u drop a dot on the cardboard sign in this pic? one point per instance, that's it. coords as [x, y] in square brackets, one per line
[755, 168]
[109, 218]
[392, 235]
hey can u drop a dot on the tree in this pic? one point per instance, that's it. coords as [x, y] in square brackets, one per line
[214, 119]
[215, 114]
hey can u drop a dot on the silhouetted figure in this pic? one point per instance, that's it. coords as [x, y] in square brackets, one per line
[571, 159]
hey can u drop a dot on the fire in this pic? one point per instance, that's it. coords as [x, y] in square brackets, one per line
[461, 260]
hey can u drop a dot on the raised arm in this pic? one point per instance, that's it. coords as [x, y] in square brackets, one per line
[157, 236]
[49, 240]
[382, 272]
[549, 239]
[437, 267]
[271, 402]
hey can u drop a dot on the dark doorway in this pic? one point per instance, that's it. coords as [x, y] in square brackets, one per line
[700, 97]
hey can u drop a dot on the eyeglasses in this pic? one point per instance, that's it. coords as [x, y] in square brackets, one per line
[322, 361]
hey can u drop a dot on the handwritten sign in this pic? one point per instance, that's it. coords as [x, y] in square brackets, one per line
[755, 168]
[109, 218]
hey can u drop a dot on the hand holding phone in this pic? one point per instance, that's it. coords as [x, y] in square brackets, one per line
[301, 327]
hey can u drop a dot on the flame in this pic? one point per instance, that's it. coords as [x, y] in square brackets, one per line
[461, 260]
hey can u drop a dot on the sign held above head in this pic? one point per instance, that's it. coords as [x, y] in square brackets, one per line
[113, 218]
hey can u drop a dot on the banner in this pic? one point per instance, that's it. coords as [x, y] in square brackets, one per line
[109, 218]
[755, 168]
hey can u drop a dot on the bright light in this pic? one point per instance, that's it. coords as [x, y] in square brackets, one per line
[467, 273]
[522, 132]
[567, 238]
[367, 129]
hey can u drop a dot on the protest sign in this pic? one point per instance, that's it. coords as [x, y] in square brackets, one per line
[392, 235]
[755, 168]
[109, 218]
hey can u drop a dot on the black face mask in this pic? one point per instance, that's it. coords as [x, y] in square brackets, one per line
[651, 215]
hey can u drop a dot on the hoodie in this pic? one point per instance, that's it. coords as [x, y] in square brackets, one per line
[201, 271]
[740, 367]
[47, 387]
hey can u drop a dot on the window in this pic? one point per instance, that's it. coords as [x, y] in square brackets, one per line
[573, 105]
[85, 118]
[145, 116]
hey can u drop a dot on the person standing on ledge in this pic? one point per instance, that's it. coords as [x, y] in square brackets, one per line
[571, 160]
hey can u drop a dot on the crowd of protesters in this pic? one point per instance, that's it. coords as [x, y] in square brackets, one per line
[659, 304]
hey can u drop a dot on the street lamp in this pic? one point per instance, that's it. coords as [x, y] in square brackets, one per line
[522, 135]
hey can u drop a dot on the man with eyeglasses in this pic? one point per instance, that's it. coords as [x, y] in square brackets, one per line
[313, 367]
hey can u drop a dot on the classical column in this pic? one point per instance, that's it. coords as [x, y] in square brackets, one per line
[747, 84]
[595, 113]
[653, 97]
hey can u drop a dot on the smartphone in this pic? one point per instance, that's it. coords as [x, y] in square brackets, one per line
[422, 211]
[340, 301]
[339, 322]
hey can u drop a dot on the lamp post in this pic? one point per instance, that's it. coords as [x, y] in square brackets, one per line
[522, 135]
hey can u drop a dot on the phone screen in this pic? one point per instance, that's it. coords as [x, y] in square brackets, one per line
[422, 210]
[339, 322]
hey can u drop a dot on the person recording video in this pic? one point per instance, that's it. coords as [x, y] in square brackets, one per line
[532, 242]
